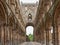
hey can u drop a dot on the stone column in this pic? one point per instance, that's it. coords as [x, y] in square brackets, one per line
[7, 37]
[47, 36]
[11, 36]
[42, 36]
[59, 33]
[55, 35]
[0, 34]
[55, 31]
[50, 37]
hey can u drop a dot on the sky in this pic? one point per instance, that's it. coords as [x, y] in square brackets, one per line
[29, 1]
[29, 30]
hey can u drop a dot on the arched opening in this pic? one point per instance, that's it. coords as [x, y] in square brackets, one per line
[29, 33]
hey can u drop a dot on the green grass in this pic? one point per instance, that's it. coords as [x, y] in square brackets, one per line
[30, 36]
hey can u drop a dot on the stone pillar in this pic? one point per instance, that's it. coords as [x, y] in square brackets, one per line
[50, 37]
[10, 30]
[11, 36]
[47, 36]
[0, 34]
[40, 36]
[55, 31]
[4, 35]
[55, 35]
[44, 37]
[59, 33]
[7, 36]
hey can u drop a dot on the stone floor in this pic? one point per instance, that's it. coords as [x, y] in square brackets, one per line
[30, 43]
[24, 43]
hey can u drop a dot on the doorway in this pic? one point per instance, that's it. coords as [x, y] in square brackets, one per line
[29, 33]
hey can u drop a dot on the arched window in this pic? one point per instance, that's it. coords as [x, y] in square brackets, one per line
[51, 29]
[29, 17]
[29, 30]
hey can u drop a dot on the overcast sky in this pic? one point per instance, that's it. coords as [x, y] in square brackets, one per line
[29, 1]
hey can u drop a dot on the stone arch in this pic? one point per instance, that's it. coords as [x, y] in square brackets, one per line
[3, 21]
[56, 25]
[3, 12]
[29, 24]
